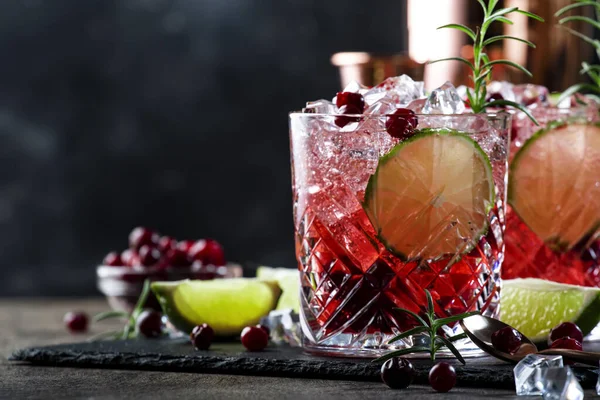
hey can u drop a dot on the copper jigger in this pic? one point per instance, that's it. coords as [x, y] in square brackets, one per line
[369, 69]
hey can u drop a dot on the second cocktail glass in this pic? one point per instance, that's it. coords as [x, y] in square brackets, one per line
[381, 218]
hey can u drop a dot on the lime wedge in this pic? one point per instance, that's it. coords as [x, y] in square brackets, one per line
[534, 306]
[431, 195]
[288, 280]
[554, 184]
[227, 305]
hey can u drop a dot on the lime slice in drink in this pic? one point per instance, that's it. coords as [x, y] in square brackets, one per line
[288, 280]
[554, 184]
[534, 306]
[431, 195]
[227, 305]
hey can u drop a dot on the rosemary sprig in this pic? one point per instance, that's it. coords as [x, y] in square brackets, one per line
[592, 71]
[128, 330]
[482, 66]
[430, 327]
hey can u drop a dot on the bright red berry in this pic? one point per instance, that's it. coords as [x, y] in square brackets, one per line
[507, 340]
[76, 322]
[202, 336]
[264, 328]
[346, 98]
[402, 123]
[185, 245]
[566, 343]
[149, 324]
[397, 373]
[208, 251]
[149, 255]
[141, 236]
[343, 120]
[113, 259]
[178, 258]
[442, 377]
[566, 329]
[254, 338]
[166, 243]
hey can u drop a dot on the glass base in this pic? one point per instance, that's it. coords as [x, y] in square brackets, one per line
[368, 349]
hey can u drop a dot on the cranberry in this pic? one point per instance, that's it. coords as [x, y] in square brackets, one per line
[254, 338]
[149, 324]
[208, 251]
[76, 322]
[397, 373]
[142, 236]
[113, 259]
[494, 97]
[149, 255]
[346, 98]
[128, 257]
[343, 120]
[401, 124]
[202, 336]
[204, 272]
[592, 253]
[566, 343]
[442, 377]
[166, 243]
[507, 340]
[185, 245]
[264, 328]
[566, 329]
[177, 258]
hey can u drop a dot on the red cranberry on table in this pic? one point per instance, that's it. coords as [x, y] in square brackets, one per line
[166, 243]
[397, 373]
[264, 328]
[202, 336]
[442, 377]
[149, 255]
[177, 258]
[254, 338]
[566, 343]
[185, 245]
[343, 120]
[113, 259]
[208, 251]
[401, 124]
[566, 329]
[141, 236]
[346, 98]
[149, 324]
[76, 322]
[507, 340]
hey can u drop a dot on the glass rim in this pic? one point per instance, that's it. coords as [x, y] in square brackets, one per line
[491, 115]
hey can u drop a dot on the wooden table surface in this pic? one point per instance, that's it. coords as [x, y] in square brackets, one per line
[34, 322]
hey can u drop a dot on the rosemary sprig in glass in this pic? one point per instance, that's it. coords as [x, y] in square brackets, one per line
[592, 71]
[430, 327]
[128, 331]
[482, 66]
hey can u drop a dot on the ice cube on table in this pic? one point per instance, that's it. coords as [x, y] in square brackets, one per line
[598, 385]
[399, 90]
[527, 373]
[284, 326]
[444, 100]
[319, 107]
[560, 384]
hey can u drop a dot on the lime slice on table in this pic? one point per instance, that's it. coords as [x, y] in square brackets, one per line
[431, 195]
[554, 184]
[288, 280]
[227, 305]
[534, 306]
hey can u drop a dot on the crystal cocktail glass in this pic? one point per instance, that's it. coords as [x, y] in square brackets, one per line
[553, 224]
[380, 219]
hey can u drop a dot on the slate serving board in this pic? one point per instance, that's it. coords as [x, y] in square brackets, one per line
[231, 358]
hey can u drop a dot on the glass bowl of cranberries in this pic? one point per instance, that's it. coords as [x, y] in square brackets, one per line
[121, 276]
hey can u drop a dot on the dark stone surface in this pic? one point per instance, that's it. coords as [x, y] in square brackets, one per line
[167, 113]
[231, 358]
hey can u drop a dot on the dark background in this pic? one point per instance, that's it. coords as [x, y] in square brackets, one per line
[165, 113]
